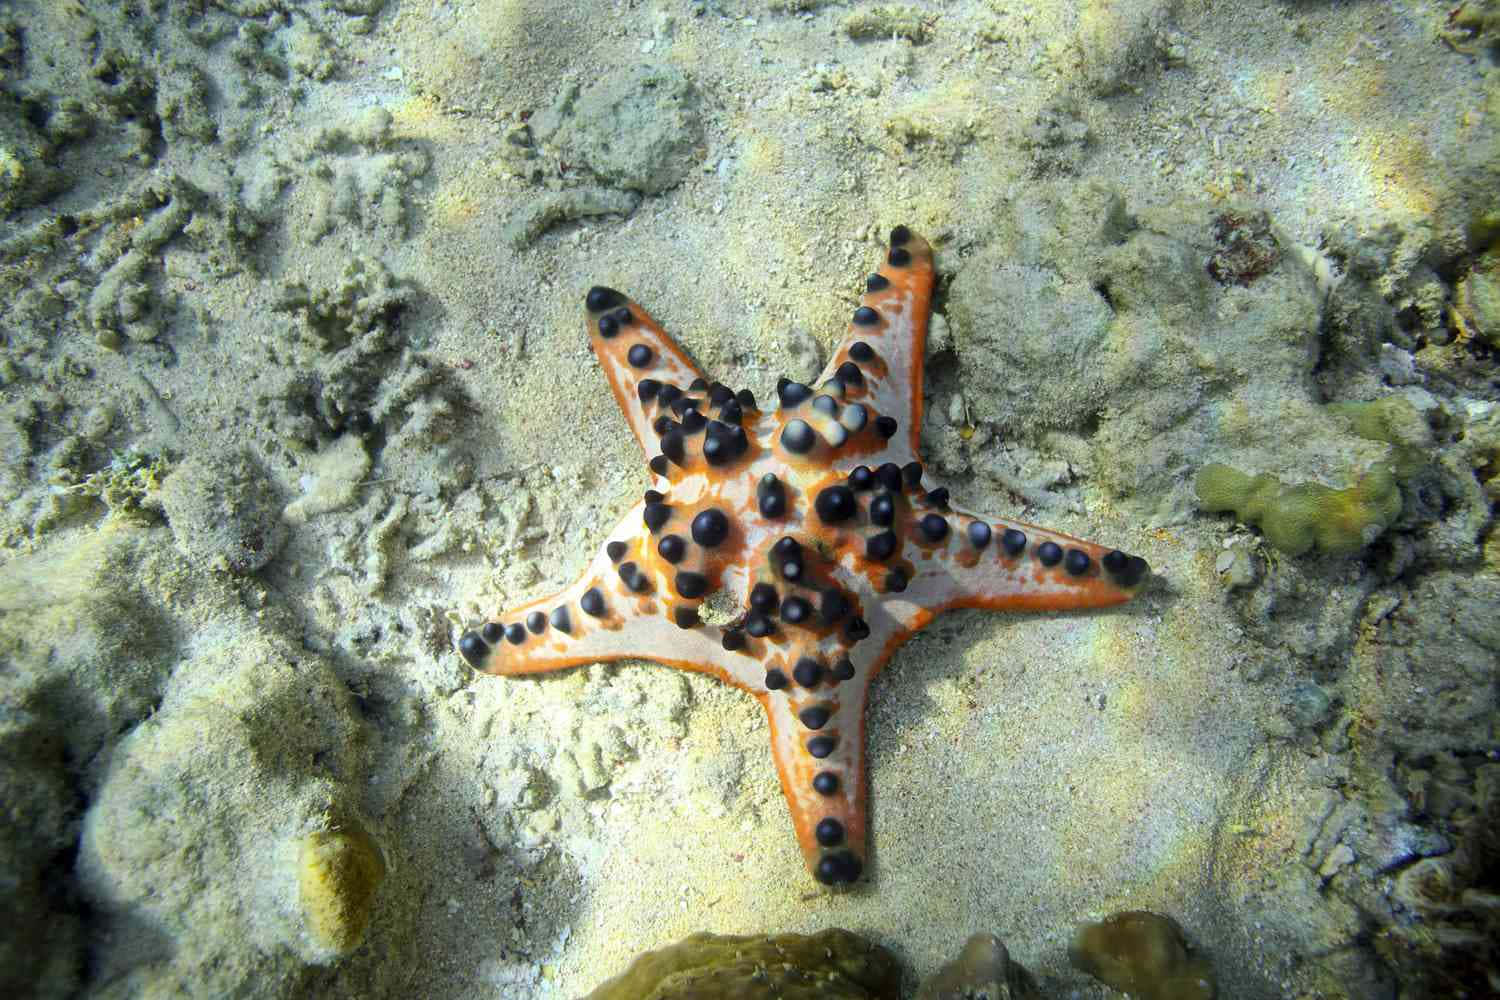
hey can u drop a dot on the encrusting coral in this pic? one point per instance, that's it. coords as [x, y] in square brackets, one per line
[1142, 954]
[834, 964]
[1296, 517]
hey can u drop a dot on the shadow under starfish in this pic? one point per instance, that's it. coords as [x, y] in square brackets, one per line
[812, 517]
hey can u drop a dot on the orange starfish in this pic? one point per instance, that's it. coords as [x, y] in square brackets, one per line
[811, 519]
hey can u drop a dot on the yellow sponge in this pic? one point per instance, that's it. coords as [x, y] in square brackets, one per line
[338, 873]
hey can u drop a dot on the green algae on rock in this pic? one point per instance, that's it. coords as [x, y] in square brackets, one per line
[1296, 517]
[834, 964]
[982, 969]
[1142, 954]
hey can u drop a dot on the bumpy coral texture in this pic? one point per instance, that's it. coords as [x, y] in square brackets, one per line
[830, 965]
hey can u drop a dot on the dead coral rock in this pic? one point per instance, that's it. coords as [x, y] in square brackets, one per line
[225, 511]
[831, 965]
[982, 970]
[1143, 954]
[637, 128]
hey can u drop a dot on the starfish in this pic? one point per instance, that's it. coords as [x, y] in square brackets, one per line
[790, 551]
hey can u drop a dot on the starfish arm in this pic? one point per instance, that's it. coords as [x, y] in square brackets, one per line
[978, 562]
[880, 359]
[827, 794]
[622, 607]
[638, 358]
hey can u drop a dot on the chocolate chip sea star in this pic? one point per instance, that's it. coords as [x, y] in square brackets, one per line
[790, 551]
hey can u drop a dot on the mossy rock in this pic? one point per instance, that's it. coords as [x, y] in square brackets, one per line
[1295, 518]
[831, 965]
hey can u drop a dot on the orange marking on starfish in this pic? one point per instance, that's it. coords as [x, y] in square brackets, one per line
[812, 514]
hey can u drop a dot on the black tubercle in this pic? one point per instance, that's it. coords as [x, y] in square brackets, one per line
[795, 610]
[536, 622]
[1049, 553]
[934, 527]
[838, 868]
[763, 598]
[900, 235]
[889, 475]
[850, 373]
[1013, 542]
[798, 437]
[832, 606]
[732, 639]
[865, 316]
[791, 393]
[561, 620]
[895, 581]
[937, 498]
[881, 547]
[1076, 562]
[899, 257]
[883, 510]
[829, 831]
[710, 527]
[835, 504]
[877, 283]
[776, 680]
[825, 783]
[639, 355]
[861, 478]
[672, 446]
[472, 648]
[615, 550]
[685, 617]
[979, 534]
[886, 426]
[492, 632]
[814, 716]
[671, 548]
[592, 602]
[601, 298]
[861, 351]
[821, 746]
[808, 672]
[655, 515]
[691, 585]
[1125, 570]
[647, 388]
[842, 670]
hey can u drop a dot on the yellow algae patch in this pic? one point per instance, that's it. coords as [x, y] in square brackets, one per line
[338, 871]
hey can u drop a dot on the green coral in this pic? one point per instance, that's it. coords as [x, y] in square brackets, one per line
[1296, 517]
[1392, 420]
[1142, 954]
[834, 964]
